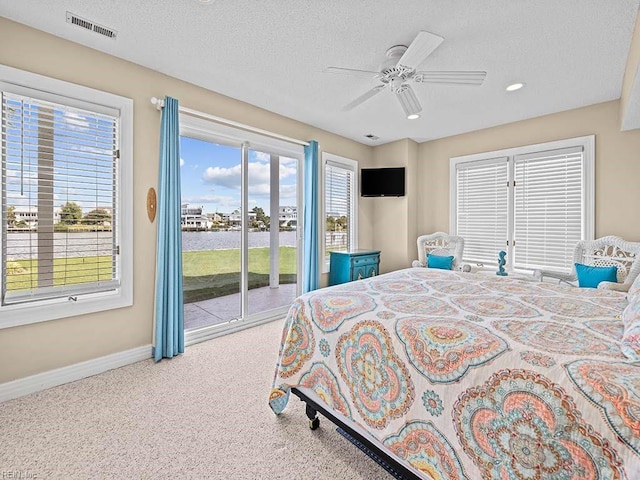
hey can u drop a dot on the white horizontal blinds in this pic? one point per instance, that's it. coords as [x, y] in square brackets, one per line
[338, 192]
[481, 204]
[548, 208]
[59, 171]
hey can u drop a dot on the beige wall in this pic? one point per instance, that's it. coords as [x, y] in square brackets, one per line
[388, 224]
[43, 346]
[631, 71]
[617, 165]
[395, 217]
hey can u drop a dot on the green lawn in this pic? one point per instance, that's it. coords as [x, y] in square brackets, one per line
[215, 273]
[23, 274]
[206, 274]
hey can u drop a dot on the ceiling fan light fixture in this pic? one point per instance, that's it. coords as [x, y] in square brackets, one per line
[515, 86]
[400, 68]
[409, 102]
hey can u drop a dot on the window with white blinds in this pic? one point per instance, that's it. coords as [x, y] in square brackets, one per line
[62, 194]
[548, 208]
[481, 215]
[340, 191]
[58, 173]
[534, 202]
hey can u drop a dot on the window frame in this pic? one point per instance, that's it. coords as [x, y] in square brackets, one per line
[588, 181]
[347, 164]
[69, 94]
[492, 163]
[207, 130]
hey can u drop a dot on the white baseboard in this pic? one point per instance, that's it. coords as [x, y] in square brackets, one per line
[78, 371]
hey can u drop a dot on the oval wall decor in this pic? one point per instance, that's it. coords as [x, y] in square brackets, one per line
[151, 204]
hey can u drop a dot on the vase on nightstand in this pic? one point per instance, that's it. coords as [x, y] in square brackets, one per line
[501, 262]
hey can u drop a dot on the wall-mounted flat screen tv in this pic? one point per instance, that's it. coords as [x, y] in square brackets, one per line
[382, 182]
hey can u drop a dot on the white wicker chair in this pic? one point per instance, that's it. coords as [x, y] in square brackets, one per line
[440, 243]
[603, 252]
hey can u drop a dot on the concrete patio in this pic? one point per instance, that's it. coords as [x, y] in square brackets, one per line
[222, 309]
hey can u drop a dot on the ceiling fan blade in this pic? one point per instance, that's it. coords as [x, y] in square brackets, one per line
[451, 78]
[363, 98]
[351, 71]
[409, 101]
[421, 47]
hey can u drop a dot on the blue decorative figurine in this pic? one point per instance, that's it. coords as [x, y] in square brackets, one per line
[501, 262]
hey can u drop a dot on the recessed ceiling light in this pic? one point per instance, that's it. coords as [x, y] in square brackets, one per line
[413, 116]
[515, 86]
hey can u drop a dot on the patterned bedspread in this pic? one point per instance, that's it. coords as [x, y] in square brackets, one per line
[470, 376]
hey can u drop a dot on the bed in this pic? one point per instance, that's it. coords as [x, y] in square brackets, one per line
[458, 375]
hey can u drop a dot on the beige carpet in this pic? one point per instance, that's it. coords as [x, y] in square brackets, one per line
[201, 415]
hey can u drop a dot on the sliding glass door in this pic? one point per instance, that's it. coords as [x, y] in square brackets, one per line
[240, 234]
[272, 231]
[211, 231]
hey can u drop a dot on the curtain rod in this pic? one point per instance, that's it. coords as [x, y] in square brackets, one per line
[159, 103]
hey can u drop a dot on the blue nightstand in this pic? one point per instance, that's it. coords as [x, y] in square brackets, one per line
[354, 265]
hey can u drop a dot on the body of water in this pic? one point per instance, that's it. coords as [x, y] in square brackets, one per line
[193, 241]
[25, 245]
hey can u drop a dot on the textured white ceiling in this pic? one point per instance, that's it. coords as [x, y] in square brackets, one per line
[271, 53]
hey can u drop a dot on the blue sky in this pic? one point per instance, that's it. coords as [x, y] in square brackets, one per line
[83, 145]
[210, 176]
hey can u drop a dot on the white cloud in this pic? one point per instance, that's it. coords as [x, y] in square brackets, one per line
[260, 189]
[259, 174]
[77, 122]
[288, 191]
[15, 177]
[225, 177]
[223, 202]
[182, 162]
[286, 171]
[17, 200]
[261, 156]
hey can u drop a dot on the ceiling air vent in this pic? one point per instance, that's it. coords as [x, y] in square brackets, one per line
[74, 19]
[371, 136]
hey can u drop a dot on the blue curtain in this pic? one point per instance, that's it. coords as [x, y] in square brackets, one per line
[169, 308]
[310, 247]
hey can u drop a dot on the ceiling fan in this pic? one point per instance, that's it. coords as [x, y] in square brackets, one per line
[400, 68]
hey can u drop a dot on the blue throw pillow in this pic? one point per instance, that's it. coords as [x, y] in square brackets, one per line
[439, 261]
[590, 277]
